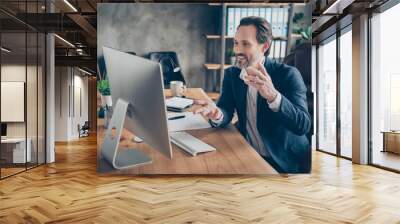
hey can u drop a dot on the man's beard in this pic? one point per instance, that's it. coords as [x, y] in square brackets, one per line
[245, 62]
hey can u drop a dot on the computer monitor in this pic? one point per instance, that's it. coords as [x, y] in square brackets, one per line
[3, 130]
[137, 92]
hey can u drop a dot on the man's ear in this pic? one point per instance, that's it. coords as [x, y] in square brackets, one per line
[265, 47]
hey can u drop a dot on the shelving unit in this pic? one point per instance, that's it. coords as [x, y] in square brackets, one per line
[217, 37]
[281, 22]
[214, 70]
[215, 66]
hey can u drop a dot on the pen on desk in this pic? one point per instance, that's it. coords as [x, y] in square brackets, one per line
[177, 117]
[189, 98]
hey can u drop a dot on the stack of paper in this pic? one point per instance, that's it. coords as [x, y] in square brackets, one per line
[189, 122]
[178, 103]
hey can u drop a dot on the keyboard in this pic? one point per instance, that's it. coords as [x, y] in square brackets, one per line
[189, 143]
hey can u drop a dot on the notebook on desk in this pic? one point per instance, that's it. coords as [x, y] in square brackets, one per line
[189, 121]
[178, 104]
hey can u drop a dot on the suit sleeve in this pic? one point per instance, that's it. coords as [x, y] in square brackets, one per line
[226, 101]
[293, 109]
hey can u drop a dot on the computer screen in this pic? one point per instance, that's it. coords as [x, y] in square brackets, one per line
[138, 82]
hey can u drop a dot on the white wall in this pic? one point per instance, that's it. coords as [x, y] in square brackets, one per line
[80, 83]
[68, 81]
[16, 73]
[61, 103]
[12, 73]
[33, 126]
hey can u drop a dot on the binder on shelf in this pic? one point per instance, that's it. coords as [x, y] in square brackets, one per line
[277, 17]
[285, 22]
[271, 52]
[283, 53]
[250, 12]
[268, 16]
[231, 23]
[274, 20]
[237, 19]
[280, 22]
[243, 13]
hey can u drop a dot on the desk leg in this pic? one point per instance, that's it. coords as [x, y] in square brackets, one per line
[384, 143]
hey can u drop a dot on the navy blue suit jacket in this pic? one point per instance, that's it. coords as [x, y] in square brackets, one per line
[283, 132]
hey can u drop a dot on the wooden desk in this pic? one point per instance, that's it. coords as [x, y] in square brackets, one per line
[233, 155]
[391, 141]
[13, 150]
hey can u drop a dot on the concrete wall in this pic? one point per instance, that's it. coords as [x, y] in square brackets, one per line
[144, 28]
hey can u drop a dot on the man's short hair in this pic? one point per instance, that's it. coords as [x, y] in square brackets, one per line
[263, 29]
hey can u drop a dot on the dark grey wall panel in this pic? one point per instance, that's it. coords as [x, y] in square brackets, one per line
[144, 28]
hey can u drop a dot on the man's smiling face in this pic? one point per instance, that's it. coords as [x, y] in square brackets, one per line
[246, 47]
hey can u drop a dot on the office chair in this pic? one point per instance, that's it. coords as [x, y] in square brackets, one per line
[170, 66]
[84, 130]
[299, 58]
[101, 66]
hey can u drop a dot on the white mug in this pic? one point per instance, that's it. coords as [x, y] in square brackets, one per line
[177, 88]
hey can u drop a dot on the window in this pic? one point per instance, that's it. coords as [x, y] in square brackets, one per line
[346, 94]
[335, 74]
[327, 97]
[385, 89]
[22, 65]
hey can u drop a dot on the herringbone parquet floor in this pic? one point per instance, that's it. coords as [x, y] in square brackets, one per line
[70, 191]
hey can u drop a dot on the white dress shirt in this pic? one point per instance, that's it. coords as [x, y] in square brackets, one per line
[253, 136]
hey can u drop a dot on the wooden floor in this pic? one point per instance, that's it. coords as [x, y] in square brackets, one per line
[70, 191]
[10, 171]
[386, 159]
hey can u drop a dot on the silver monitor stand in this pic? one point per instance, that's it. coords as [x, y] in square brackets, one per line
[120, 159]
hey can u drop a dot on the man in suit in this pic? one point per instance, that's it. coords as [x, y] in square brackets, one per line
[269, 98]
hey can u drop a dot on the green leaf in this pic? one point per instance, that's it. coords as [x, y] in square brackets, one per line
[104, 87]
[230, 53]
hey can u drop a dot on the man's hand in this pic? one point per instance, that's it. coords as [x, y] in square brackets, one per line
[258, 78]
[208, 109]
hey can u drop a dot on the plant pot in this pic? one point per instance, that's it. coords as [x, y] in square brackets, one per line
[106, 101]
[100, 114]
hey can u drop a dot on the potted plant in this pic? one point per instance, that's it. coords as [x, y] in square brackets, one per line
[301, 30]
[307, 33]
[104, 88]
[231, 55]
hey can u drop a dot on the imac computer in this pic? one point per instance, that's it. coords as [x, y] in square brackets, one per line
[137, 93]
